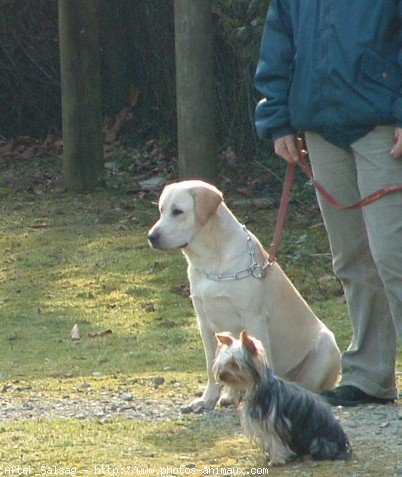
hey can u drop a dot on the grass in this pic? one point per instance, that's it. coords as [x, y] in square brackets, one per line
[83, 259]
[96, 271]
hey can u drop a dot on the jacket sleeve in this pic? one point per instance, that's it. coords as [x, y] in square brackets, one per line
[273, 75]
[397, 107]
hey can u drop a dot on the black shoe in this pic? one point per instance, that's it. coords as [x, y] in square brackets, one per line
[350, 396]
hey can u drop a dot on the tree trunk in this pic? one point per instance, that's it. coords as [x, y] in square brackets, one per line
[195, 89]
[81, 95]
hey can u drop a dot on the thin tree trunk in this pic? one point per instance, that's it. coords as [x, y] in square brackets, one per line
[195, 88]
[81, 96]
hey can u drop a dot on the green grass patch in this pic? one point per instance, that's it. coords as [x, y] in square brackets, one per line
[193, 447]
[76, 267]
[84, 259]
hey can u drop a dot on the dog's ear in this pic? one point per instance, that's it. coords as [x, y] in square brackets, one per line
[206, 201]
[248, 343]
[224, 338]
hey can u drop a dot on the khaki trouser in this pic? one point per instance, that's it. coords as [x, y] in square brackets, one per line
[366, 246]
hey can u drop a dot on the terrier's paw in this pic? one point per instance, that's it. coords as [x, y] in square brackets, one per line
[227, 401]
[199, 405]
[230, 398]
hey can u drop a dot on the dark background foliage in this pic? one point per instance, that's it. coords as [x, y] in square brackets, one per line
[137, 51]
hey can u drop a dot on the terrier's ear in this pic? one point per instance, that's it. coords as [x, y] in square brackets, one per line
[206, 201]
[224, 338]
[248, 343]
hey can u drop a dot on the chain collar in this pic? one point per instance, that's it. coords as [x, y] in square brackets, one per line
[254, 270]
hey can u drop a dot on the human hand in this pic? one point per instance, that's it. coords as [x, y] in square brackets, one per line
[286, 148]
[396, 151]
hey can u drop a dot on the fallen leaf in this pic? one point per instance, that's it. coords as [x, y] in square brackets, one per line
[75, 333]
[7, 149]
[230, 156]
[134, 95]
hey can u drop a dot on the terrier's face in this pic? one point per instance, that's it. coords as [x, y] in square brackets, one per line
[238, 362]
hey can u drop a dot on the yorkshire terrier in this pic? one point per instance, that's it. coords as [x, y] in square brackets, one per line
[284, 419]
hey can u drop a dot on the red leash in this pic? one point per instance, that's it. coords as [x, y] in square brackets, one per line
[290, 170]
[280, 220]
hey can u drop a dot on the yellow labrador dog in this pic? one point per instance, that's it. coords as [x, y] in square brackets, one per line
[234, 287]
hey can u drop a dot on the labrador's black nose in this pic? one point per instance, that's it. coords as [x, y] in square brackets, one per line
[153, 238]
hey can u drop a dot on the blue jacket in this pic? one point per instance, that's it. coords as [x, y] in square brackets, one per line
[330, 66]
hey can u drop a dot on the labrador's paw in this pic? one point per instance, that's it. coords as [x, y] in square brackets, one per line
[200, 405]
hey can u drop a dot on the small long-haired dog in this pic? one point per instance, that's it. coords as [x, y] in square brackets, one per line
[284, 419]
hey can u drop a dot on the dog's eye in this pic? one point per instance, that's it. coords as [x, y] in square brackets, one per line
[177, 212]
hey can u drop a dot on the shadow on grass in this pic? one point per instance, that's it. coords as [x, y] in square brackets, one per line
[63, 265]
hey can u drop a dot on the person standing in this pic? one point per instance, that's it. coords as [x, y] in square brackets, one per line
[332, 69]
